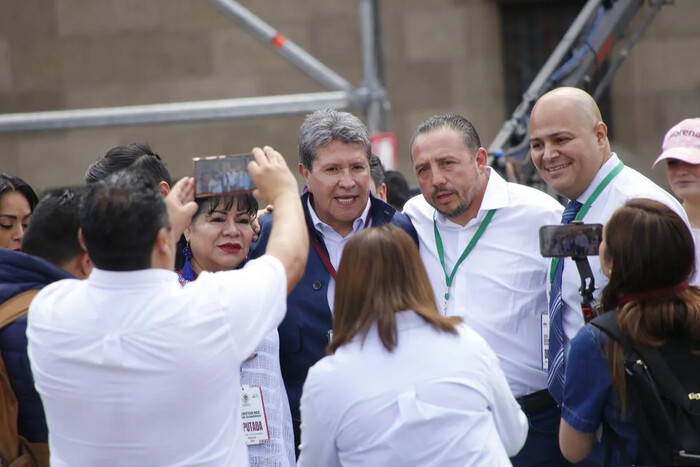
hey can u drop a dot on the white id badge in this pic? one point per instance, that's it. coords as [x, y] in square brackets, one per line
[253, 415]
[545, 340]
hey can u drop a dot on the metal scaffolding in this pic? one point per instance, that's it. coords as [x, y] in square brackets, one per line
[586, 45]
[370, 97]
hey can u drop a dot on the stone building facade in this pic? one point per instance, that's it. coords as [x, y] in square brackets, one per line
[440, 56]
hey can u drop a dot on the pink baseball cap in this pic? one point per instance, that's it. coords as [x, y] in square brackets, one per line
[682, 142]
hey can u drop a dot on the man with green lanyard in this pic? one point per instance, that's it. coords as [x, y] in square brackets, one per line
[479, 240]
[570, 149]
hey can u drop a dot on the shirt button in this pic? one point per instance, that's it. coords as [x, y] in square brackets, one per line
[316, 285]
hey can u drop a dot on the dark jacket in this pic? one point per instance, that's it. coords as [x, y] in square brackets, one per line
[20, 272]
[303, 332]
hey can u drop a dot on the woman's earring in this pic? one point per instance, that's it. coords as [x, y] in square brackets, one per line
[187, 251]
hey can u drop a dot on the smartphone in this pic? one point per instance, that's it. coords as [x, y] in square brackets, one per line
[575, 239]
[222, 175]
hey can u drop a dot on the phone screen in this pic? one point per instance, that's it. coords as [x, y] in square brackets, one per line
[222, 175]
[577, 240]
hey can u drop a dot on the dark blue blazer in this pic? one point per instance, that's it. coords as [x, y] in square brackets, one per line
[20, 272]
[303, 332]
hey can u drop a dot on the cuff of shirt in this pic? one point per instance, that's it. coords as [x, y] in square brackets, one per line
[578, 423]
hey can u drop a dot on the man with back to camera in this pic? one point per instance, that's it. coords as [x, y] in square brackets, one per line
[50, 252]
[570, 148]
[479, 240]
[134, 369]
[138, 156]
[334, 152]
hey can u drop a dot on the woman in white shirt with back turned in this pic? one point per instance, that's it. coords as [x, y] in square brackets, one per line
[403, 385]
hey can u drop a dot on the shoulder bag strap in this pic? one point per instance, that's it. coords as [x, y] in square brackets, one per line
[16, 307]
[607, 322]
[664, 379]
[663, 376]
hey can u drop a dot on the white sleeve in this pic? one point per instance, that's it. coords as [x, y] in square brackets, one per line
[253, 299]
[511, 422]
[317, 426]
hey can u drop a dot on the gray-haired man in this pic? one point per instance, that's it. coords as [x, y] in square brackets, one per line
[334, 154]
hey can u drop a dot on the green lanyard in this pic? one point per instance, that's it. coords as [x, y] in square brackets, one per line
[584, 209]
[441, 251]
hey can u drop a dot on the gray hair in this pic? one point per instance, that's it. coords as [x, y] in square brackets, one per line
[452, 121]
[324, 126]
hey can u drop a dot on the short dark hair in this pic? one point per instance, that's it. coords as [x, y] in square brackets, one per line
[11, 183]
[120, 217]
[397, 191]
[381, 274]
[376, 170]
[324, 126]
[53, 231]
[453, 121]
[137, 155]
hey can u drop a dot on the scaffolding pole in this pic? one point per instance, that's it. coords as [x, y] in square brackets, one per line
[517, 123]
[377, 103]
[294, 54]
[180, 112]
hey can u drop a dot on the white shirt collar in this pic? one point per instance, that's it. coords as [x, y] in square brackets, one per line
[603, 172]
[495, 197]
[357, 225]
[139, 278]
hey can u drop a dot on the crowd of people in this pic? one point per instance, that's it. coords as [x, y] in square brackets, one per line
[350, 325]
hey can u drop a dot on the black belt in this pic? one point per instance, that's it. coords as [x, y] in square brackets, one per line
[536, 402]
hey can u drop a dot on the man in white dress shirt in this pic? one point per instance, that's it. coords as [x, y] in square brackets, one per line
[468, 211]
[570, 148]
[134, 369]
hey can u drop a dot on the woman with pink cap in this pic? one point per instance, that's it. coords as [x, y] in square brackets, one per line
[681, 150]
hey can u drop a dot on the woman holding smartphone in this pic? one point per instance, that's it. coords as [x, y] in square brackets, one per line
[648, 254]
[218, 239]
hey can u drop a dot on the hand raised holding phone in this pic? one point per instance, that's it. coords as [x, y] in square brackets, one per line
[289, 240]
[271, 175]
